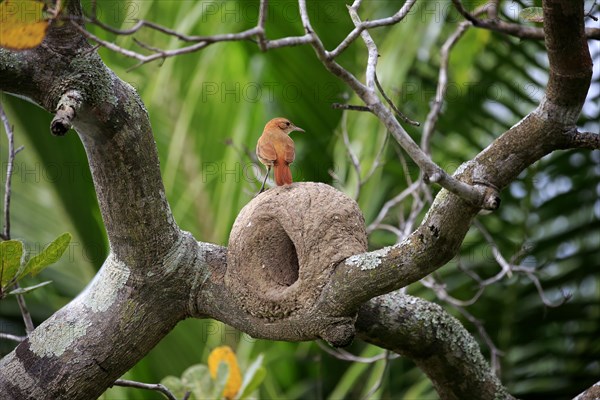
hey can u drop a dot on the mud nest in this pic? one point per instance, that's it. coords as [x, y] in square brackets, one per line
[285, 244]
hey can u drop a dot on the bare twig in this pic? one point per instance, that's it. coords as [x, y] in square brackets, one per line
[353, 157]
[436, 108]
[29, 327]
[14, 338]
[379, 382]
[538, 285]
[376, 162]
[491, 8]
[440, 291]
[289, 41]
[157, 387]
[373, 54]
[201, 42]
[392, 203]
[505, 265]
[262, 19]
[393, 106]
[9, 168]
[146, 46]
[350, 107]
[493, 23]
[345, 355]
[139, 25]
[467, 15]
[352, 36]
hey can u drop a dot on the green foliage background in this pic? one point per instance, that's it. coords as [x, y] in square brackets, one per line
[207, 111]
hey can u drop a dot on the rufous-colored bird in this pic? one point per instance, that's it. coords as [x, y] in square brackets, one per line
[275, 149]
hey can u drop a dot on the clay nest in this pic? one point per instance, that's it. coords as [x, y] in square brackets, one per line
[285, 244]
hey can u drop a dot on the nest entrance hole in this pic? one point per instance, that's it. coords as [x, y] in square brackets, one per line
[279, 259]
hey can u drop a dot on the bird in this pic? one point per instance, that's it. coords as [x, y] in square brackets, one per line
[275, 149]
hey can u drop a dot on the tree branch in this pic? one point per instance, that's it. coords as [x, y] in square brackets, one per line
[352, 36]
[157, 387]
[521, 31]
[582, 140]
[592, 393]
[442, 85]
[14, 338]
[434, 340]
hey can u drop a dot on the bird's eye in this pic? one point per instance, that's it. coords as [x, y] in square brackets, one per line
[288, 123]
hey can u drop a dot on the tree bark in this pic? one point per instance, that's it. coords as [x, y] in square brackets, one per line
[439, 345]
[157, 275]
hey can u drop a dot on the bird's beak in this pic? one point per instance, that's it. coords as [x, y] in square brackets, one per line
[296, 128]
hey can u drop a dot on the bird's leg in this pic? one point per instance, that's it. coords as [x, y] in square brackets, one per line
[262, 188]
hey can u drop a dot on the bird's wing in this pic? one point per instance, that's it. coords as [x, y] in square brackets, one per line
[289, 152]
[265, 150]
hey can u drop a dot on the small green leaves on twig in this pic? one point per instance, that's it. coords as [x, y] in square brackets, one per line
[49, 255]
[11, 252]
[14, 266]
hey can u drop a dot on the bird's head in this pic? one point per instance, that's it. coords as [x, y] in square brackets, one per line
[282, 124]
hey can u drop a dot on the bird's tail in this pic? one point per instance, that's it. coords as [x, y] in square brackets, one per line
[283, 174]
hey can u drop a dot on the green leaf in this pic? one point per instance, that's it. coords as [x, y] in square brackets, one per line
[175, 385]
[197, 380]
[29, 288]
[254, 376]
[220, 381]
[11, 252]
[48, 256]
[532, 14]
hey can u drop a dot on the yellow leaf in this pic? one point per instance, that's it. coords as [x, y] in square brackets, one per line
[22, 25]
[224, 354]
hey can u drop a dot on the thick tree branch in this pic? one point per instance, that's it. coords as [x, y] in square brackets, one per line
[582, 140]
[437, 342]
[592, 393]
[570, 62]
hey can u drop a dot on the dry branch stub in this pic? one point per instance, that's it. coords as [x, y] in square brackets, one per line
[284, 246]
